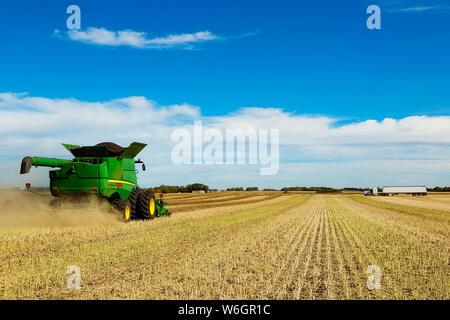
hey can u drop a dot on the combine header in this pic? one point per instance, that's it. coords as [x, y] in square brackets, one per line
[105, 170]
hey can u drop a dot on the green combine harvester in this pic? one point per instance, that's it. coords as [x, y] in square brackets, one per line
[105, 170]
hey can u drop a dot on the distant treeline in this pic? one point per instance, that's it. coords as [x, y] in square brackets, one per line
[316, 189]
[199, 186]
[439, 189]
[242, 189]
[183, 189]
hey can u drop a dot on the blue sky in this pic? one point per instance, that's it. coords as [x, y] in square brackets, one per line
[304, 58]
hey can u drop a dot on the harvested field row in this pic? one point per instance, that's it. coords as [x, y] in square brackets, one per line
[34, 240]
[204, 205]
[285, 247]
[212, 199]
[418, 202]
[152, 264]
[439, 215]
[214, 195]
[430, 231]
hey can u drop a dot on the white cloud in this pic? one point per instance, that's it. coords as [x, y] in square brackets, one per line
[416, 9]
[102, 36]
[56, 33]
[416, 6]
[180, 39]
[314, 150]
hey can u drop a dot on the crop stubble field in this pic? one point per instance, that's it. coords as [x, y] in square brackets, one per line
[231, 245]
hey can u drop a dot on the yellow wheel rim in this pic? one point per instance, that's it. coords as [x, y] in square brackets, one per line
[152, 206]
[127, 213]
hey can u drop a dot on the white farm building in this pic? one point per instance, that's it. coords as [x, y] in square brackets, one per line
[412, 190]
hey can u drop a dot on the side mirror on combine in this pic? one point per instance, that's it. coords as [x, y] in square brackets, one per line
[143, 164]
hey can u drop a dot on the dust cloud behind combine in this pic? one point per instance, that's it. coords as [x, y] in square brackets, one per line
[24, 209]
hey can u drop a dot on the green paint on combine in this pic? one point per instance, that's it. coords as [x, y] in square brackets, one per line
[105, 170]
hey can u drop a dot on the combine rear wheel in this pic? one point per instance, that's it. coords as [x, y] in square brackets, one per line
[124, 208]
[133, 198]
[146, 205]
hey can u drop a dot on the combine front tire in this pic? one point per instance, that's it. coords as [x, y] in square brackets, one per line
[124, 208]
[146, 205]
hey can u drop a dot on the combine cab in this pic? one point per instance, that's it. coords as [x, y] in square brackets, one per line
[105, 170]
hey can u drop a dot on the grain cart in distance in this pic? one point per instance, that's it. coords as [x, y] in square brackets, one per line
[105, 170]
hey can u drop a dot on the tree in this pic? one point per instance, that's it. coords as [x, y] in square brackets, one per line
[236, 189]
[196, 186]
